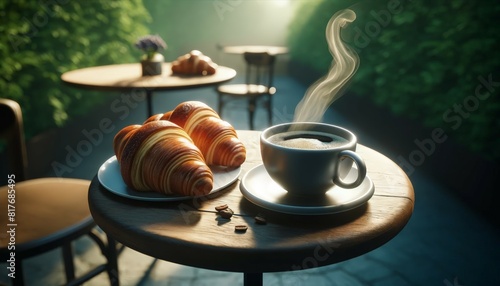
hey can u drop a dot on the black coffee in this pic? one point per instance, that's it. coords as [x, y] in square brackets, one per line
[307, 140]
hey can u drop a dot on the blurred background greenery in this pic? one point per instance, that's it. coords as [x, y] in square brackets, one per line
[40, 40]
[421, 59]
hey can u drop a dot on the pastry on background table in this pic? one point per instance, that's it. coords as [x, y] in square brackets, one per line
[194, 63]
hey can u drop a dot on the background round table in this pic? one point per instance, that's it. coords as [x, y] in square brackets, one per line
[128, 77]
[191, 233]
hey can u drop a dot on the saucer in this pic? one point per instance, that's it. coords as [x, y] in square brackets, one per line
[259, 188]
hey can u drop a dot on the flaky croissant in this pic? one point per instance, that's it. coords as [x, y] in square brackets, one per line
[216, 138]
[194, 63]
[159, 156]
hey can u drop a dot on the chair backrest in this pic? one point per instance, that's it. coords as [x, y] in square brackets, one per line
[12, 132]
[260, 68]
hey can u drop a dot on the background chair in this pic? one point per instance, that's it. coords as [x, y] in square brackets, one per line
[258, 84]
[42, 214]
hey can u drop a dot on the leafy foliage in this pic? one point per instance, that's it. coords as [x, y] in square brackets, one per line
[41, 40]
[423, 59]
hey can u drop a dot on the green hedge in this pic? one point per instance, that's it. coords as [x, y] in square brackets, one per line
[40, 40]
[423, 59]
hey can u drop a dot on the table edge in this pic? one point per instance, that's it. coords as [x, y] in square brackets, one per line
[99, 87]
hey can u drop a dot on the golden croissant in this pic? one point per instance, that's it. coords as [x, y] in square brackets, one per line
[159, 156]
[216, 138]
[194, 63]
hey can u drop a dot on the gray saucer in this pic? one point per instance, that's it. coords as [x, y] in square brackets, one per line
[259, 188]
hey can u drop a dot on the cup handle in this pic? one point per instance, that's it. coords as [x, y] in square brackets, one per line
[360, 163]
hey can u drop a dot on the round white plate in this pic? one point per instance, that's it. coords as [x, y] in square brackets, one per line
[259, 188]
[110, 177]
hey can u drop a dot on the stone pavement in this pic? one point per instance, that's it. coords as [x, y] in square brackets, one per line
[444, 243]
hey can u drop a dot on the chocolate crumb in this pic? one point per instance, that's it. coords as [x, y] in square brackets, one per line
[260, 219]
[240, 228]
[226, 213]
[221, 207]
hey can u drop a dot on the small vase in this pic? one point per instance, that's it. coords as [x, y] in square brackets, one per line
[152, 66]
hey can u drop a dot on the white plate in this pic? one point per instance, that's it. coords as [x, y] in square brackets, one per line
[110, 177]
[259, 188]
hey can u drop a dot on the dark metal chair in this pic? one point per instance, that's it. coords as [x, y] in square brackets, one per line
[39, 215]
[258, 85]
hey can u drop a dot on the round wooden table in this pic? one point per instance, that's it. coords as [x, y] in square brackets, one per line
[191, 233]
[128, 77]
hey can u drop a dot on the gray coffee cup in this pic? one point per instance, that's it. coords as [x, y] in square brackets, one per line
[309, 158]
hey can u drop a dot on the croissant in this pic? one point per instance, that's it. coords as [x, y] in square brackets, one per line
[194, 63]
[216, 138]
[159, 156]
[121, 138]
[159, 116]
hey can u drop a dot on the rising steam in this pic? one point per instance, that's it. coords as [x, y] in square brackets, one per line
[326, 90]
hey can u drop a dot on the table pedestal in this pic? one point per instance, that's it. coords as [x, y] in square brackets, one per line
[253, 279]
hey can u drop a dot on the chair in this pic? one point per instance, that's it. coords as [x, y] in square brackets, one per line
[39, 215]
[258, 84]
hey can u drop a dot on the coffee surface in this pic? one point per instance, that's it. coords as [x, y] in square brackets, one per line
[307, 140]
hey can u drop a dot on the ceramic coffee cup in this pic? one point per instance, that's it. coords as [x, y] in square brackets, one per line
[309, 158]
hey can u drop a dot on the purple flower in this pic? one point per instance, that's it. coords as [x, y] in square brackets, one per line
[151, 44]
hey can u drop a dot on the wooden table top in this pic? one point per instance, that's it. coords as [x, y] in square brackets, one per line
[128, 76]
[272, 50]
[191, 233]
